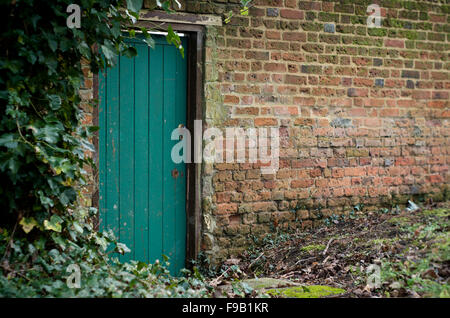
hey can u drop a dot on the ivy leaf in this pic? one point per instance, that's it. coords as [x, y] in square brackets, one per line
[122, 248]
[8, 140]
[48, 133]
[101, 241]
[68, 196]
[134, 5]
[55, 102]
[150, 41]
[109, 52]
[34, 19]
[13, 165]
[133, 16]
[54, 224]
[141, 265]
[87, 145]
[84, 49]
[173, 38]
[59, 240]
[115, 29]
[28, 224]
[245, 3]
[165, 5]
[13, 66]
[77, 227]
[45, 201]
[244, 11]
[53, 44]
[228, 17]
[130, 52]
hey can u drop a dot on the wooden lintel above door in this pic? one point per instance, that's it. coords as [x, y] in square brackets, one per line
[180, 17]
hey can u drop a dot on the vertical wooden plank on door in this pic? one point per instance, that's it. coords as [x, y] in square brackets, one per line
[112, 150]
[141, 153]
[156, 163]
[102, 149]
[170, 172]
[180, 189]
[126, 157]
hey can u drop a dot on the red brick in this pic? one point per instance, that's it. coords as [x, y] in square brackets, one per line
[305, 183]
[275, 67]
[358, 92]
[355, 171]
[292, 14]
[266, 122]
[273, 35]
[230, 99]
[295, 79]
[227, 208]
[394, 43]
[294, 36]
[389, 112]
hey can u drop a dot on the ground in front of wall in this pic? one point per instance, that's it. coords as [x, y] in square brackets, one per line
[389, 253]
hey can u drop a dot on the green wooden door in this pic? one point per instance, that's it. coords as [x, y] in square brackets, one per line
[142, 191]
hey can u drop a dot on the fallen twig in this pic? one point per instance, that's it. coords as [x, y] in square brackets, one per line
[328, 245]
[298, 262]
[289, 274]
[255, 260]
[216, 280]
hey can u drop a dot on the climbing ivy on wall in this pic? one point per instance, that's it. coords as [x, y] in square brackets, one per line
[48, 244]
[44, 149]
[41, 137]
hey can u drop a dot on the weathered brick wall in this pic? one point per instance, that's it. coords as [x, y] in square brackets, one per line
[89, 190]
[363, 112]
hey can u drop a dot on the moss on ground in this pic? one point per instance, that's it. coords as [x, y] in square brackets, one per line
[313, 247]
[399, 220]
[315, 291]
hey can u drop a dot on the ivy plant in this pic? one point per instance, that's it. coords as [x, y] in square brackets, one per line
[44, 152]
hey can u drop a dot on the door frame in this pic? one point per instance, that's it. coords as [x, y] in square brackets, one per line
[195, 35]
